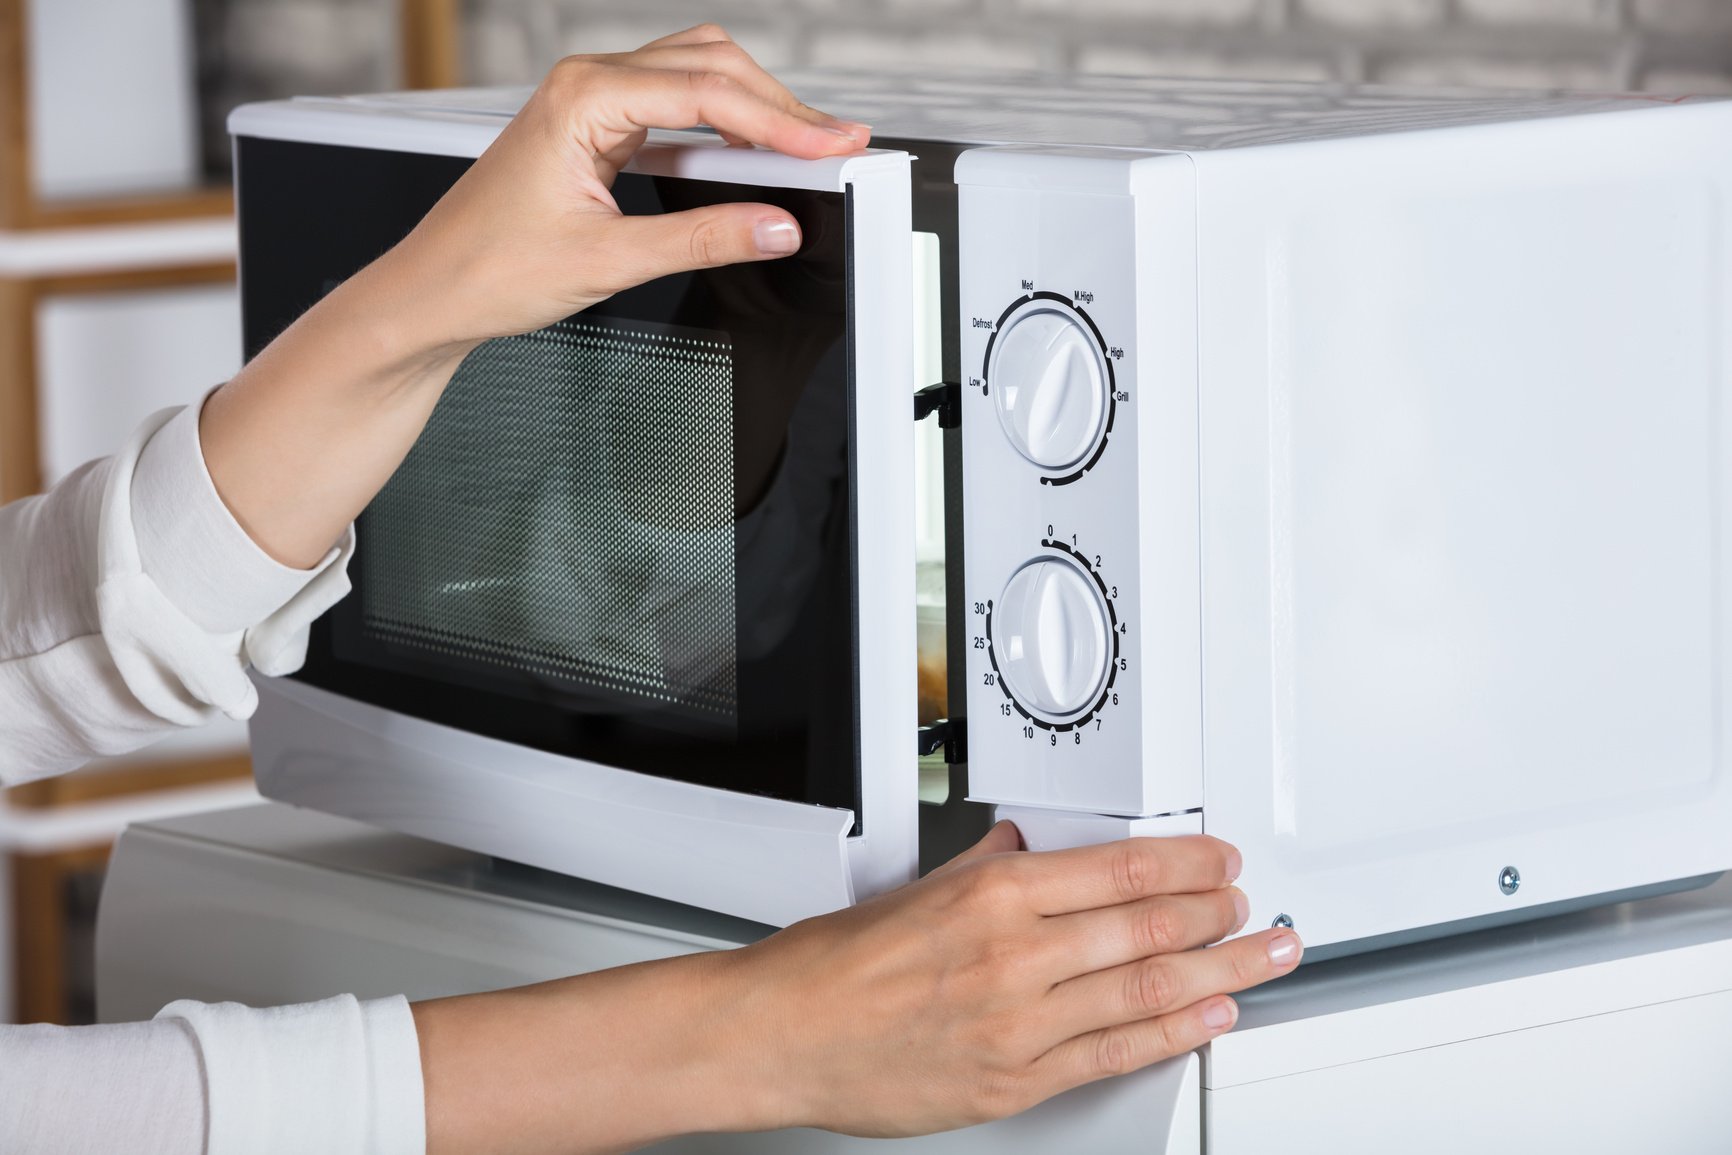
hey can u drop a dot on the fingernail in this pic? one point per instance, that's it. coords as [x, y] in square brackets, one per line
[1241, 910]
[850, 129]
[776, 237]
[1235, 864]
[1284, 950]
[1218, 1016]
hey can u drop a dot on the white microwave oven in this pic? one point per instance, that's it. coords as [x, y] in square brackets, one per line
[1343, 472]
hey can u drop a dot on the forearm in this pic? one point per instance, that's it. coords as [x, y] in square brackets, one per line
[302, 439]
[604, 1062]
[304, 436]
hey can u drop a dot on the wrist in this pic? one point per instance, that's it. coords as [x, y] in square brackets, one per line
[399, 324]
[739, 1078]
[703, 1058]
[623, 1058]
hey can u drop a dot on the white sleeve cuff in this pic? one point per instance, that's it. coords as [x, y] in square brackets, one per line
[337, 1076]
[184, 595]
[191, 545]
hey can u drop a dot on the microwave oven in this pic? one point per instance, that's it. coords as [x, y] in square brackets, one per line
[1340, 471]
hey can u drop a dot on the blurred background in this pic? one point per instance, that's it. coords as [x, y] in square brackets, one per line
[117, 244]
[1618, 44]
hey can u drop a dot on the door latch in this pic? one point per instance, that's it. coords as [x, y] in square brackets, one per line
[944, 399]
[947, 734]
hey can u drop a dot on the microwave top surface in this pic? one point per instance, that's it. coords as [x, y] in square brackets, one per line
[1190, 115]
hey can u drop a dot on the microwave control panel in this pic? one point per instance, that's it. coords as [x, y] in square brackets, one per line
[1055, 534]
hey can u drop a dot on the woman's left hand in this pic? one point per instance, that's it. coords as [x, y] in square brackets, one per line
[531, 234]
[314, 426]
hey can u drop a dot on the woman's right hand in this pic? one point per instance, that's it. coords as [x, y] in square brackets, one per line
[998, 981]
[1003, 979]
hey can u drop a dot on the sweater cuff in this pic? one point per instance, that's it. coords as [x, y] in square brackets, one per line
[339, 1076]
[192, 547]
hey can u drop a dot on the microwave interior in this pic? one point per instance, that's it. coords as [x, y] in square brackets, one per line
[626, 537]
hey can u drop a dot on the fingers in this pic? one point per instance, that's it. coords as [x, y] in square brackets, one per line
[703, 238]
[695, 77]
[697, 34]
[1110, 936]
[1122, 1049]
[1121, 1020]
[708, 48]
[724, 57]
[698, 76]
[616, 156]
[1001, 839]
[626, 100]
[1063, 881]
[1153, 987]
[730, 60]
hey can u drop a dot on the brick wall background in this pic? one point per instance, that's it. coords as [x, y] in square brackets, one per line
[266, 49]
[1657, 45]
[255, 49]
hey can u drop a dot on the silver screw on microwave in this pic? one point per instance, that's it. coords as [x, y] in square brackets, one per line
[1509, 880]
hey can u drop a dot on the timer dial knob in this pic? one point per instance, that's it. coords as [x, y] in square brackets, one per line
[1050, 382]
[1052, 639]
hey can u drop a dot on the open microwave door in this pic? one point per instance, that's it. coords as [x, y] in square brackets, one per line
[638, 606]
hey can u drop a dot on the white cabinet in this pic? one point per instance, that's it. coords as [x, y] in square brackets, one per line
[112, 103]
[1650, 1078]
[106, 361]
[1601, 1031]
[99, 327]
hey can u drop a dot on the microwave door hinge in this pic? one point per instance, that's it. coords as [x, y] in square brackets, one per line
[944, 399]
[947, 734]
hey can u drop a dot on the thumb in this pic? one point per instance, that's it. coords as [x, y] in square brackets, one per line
[707, 237]
[1001, 839]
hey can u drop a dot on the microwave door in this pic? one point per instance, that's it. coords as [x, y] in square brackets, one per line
[637, 606]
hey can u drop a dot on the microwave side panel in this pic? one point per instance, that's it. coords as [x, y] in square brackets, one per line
[1465, 494]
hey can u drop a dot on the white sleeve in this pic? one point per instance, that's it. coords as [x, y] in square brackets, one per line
[340, 1076]
[131, 603]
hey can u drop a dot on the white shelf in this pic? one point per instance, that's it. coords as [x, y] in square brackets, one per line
[42, 831]
[110, 248]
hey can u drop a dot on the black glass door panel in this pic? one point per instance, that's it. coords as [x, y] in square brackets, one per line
[624, 538]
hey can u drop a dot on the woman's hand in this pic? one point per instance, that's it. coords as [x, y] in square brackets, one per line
[314, 426]
[531, 233]
[1002, 979]
[994, 983]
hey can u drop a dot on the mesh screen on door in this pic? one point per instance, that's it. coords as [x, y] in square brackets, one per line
[568, 515]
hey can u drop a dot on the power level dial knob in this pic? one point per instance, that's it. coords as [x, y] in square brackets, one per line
[1049, 378]
[1052, 639]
